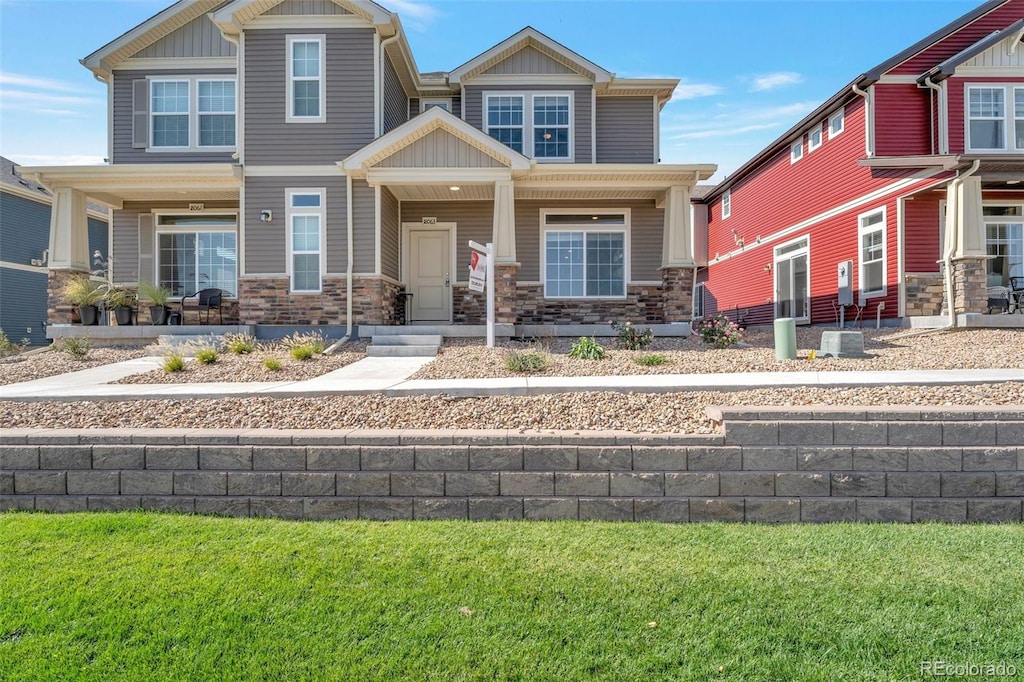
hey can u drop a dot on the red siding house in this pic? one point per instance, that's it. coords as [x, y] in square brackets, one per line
[907, 185]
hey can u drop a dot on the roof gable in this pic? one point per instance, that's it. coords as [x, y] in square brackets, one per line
[198, 38]
[528, 59]
[1000, 48]
[532, 38]
[233, 15]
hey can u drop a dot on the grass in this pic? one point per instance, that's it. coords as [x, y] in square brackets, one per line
[164, 597]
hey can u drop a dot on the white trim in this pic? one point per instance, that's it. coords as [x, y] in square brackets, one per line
[901, 290]
[863, 230]
[657, 128]
[192, 82]
[593, 125]
[726, 203]
[989, 71]
[241, 231]
[211, 228]
[698, 297]
[290, 40]
[321, 213]
[240, 102]
[527, 127]
[291, 171]
[177, 63]
[897, 79]
[625, 230]
[776, 259]
[839, 115]
[435, 176]
[527, 80]
[1009, 117]
[307, 21]
[796, 150]
[110, 117]
[378, 94]
[810, 137]
[38, 269]
[436, 101]
[377, 230]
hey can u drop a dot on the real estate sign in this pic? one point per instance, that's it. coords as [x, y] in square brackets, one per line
[477, 271]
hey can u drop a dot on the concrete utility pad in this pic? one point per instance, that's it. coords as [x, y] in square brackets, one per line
[842, 344]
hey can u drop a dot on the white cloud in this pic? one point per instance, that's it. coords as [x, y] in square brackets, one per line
[19, 99]
[413, 13]
[686, 91]
[53, 159]
[723, 132]
[8, 79]
[772, 81]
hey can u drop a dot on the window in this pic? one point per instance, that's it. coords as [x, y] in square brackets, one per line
[538, 125]
[871, 233]
[431, 102]
[306, 79]
[585, 255]
[727, 204]
[995, 118]
[1004, 243]
[197, 252]
[796, 150]
[836, 123]
[698, 301]
[192, 113]
[814, 138]
[306, 216]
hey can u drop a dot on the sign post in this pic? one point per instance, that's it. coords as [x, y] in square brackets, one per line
[483, 259]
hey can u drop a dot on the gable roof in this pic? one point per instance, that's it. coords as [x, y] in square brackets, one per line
[1014, 31]
[531, 37]
[231, 16]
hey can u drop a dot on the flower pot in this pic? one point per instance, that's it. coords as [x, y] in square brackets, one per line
[158, 314]
[123, 315]
[90, 314]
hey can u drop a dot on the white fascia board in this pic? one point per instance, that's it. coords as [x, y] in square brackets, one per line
[436, 176]
[291, 171]
[686, 173]
[232, 16]
[527, 34]
[181, 63]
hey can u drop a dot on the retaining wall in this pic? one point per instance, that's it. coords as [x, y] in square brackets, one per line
[773, 465]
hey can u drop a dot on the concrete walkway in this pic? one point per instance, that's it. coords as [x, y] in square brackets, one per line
[390, 376]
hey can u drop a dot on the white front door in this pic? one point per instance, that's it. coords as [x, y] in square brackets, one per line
[430, 281]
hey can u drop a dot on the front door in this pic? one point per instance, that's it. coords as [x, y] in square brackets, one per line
[792, 281]
[430, 262]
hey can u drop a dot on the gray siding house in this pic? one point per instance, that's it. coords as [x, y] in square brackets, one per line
[25, 209]
[291, 153]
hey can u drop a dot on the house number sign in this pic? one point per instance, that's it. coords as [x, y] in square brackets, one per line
[196, 207]
[430, 221]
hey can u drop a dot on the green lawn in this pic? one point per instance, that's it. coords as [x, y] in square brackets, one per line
[163, 597]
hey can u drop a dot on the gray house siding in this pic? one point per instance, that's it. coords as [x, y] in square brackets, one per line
[126, 247]
[474, 220]
[26, 229]
[364, 238]
[198, 38]
[123, 111]
[349, 106]
[23, 309]
[396, 105]
[528, 60]
[390, 234]
[625, 130]
[306, 8]
[582, 111]
[439, 149]
[414, 105]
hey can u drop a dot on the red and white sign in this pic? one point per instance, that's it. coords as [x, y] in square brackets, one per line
[477, 271]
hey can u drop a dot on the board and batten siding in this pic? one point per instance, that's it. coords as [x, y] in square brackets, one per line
[474, 220]
[349, 106]
[396, 104]
[198, 38]
[364, 215]
[26, 229]
[124, 108]
[528, 60]
[414, 105]
[439, 149]
[645, 242]
[625, 130]
[306, 8]
[390, 235]
[582, 111]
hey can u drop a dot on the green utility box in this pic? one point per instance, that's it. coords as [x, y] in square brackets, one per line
[785, 338]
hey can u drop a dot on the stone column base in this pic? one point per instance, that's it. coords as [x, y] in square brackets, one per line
[58, 309]
[970, 290]
[677, 293]
[925, 293]
[506, 280]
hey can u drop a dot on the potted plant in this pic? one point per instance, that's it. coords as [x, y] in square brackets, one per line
[158, 297]
[86, 293]
[122, 300]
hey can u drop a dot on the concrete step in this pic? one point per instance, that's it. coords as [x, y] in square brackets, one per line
[407, 340]
[404, 351]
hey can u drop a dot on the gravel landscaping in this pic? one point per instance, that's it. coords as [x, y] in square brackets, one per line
[15, 369]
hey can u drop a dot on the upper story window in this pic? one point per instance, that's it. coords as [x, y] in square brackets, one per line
[431, 102]
[995, 118]
[871, 233]
[534, 124]
[796, 150]
[726, 204]
[585, 255]
[814, 138]
[306, 79]
[192, 113]
[836, 123]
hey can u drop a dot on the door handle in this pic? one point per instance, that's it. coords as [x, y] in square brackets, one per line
[447, 280]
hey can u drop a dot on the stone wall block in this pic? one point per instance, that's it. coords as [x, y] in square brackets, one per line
[606, 509]
[671, 458]
[65, 457]
[221, 457]
[309, 484]
[118, 456]
[359, 484]
[605, 458]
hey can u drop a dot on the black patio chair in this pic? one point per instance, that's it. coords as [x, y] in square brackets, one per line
[206, 300]
[1016, 294]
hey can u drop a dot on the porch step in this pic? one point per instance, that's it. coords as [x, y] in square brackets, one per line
[404, 345]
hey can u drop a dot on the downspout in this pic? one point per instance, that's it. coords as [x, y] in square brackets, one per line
[351, 259]
[952, 241]
[869, 123]
[383, 44]
[934, 122]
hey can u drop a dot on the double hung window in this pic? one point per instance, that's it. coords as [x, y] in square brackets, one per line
[306, 81]
[192, 113]
[995, 118]
[1004, 243]
[538, 125]
[307, 213]
[871, 233]
[585, 255]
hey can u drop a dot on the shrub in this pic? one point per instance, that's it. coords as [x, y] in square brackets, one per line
[313, 340]
[7, 347]
[174, 362]
[272, 364]
[525, 361]
[75, 347]
[83, 290]
[240, 344]
[587, 348]
[633, 338]
[651, 360]
[719, 331]
[207, 356]
[302, 352]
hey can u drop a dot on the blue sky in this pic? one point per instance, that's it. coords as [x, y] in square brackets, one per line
[749, 69]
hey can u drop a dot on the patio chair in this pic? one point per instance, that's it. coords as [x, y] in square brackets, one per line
[206, 300]
[998, 300]
[1016, 295]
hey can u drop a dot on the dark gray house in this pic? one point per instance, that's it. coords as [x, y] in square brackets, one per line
[290, 153]
[25, 208]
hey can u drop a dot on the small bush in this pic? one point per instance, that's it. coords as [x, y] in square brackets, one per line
[9, 348]
[302, 352]
[174, 362]
[207, 356]
[75, 347]
[652, 360]
[719, 331]
[272, 364]
[587, 348]
[525, 361]
[633, 338]
[313, 340]
[240, 344]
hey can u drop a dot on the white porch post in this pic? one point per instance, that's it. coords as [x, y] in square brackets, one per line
[677, 244]
[967, 283]
[970, 225]
[69, 231]
[504, 222]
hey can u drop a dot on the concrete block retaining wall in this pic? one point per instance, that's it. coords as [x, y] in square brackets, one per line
[959, 465]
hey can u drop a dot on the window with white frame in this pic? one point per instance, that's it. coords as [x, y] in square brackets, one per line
[192, 113]
[871, 235]
[585, 255]
[726, 204]
[995, 118]
[836, 123]
[538, 125]
[814, 138]
[431, 102]
[698, 301]
[796, 150]
[306, 80]
[197, 252]
[307, 213]
[1004, 243]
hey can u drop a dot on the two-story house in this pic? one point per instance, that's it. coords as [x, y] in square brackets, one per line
[907, 185]
[290, 153]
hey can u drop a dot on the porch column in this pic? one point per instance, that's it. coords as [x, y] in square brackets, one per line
[677, 256]
[69, 250]
[506, 267]
[969, 257]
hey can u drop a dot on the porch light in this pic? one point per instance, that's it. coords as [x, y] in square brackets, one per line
[455, 188]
